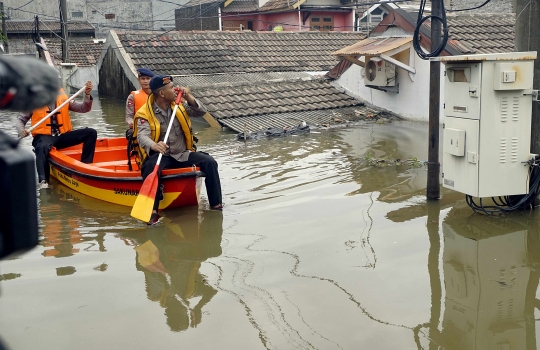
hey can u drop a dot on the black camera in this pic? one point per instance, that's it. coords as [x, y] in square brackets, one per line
[18, 193]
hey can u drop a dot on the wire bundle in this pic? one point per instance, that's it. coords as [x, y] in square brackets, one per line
[507, 204]
[421, 19]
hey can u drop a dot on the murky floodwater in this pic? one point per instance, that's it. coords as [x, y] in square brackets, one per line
[314, 250]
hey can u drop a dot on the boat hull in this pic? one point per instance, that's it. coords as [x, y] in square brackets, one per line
[110, 180]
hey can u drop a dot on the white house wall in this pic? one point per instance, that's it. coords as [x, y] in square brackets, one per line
[412, 101]
[81, 76]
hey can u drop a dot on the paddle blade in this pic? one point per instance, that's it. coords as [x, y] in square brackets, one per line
[142, 209]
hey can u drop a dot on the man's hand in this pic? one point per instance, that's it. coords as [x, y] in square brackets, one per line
[186, 94]
[160, 147]
[89, 88]
[24, 133]
[130, 124]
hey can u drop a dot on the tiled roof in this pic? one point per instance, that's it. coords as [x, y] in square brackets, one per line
[494, 6]
[273, 5]
[46, 26]
[315, 118]
[242, 6]
[185, 53]
[483, 33]
[236, 79]
[270, 98]
[84, 53]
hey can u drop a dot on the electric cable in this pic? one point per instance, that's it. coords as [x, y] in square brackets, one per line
[506, 204]
[420, 21]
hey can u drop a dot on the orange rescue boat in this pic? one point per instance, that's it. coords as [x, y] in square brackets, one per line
[110, 179]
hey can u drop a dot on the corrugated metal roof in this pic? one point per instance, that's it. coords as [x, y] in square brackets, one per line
[318, 118]
[373, 46]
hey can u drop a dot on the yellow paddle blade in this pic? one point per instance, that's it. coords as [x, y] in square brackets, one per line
[142, 209]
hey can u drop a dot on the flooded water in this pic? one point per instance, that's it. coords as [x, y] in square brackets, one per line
[313, 250]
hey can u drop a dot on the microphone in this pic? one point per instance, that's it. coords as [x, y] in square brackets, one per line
[26, 83]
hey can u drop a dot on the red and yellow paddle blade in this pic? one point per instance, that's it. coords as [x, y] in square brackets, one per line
[142, 209]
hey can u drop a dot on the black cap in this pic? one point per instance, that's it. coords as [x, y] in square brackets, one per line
[159, 81]
[145, 72]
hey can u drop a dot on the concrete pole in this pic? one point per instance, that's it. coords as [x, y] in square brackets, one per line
[4, 32]
[528, 39]
[64, 31]
[433, 190]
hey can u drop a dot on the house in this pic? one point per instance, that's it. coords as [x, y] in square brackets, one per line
[385, 71]
[247, 80]
[83, 57]
[283, 15]
[21, 34]
[102, 14]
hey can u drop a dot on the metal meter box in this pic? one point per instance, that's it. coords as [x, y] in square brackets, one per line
[487, 123]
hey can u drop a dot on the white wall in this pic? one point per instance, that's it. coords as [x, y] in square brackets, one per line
[80, 76]
[412, 101]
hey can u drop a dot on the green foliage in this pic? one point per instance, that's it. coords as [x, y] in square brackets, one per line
[385, 162]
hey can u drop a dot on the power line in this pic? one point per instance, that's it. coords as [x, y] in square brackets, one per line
[23, 5]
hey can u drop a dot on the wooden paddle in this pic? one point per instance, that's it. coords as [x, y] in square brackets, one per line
[144, 204]
[56, 110]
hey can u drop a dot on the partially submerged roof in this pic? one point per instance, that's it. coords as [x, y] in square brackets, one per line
[208, 52]
[252, 101]
[84, 53]
[277, 97]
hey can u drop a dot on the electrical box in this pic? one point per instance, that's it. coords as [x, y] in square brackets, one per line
[487, 123]
[380, 73]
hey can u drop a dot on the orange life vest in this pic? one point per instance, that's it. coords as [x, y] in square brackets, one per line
[63, 119]
[140, 98]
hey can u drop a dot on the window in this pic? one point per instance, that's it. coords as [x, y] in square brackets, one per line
[322, 23]
[77, 14]
[94, 12]
[110, 16]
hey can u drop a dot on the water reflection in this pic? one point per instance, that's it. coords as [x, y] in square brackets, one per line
[62, 232]
[490, 281]
[170, 257]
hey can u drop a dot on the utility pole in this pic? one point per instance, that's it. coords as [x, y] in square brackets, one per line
[528, 39]
[4, 32]
[433, 190]
[64, 31]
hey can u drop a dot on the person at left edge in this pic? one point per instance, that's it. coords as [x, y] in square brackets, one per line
[58, 132]
[137, 99]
